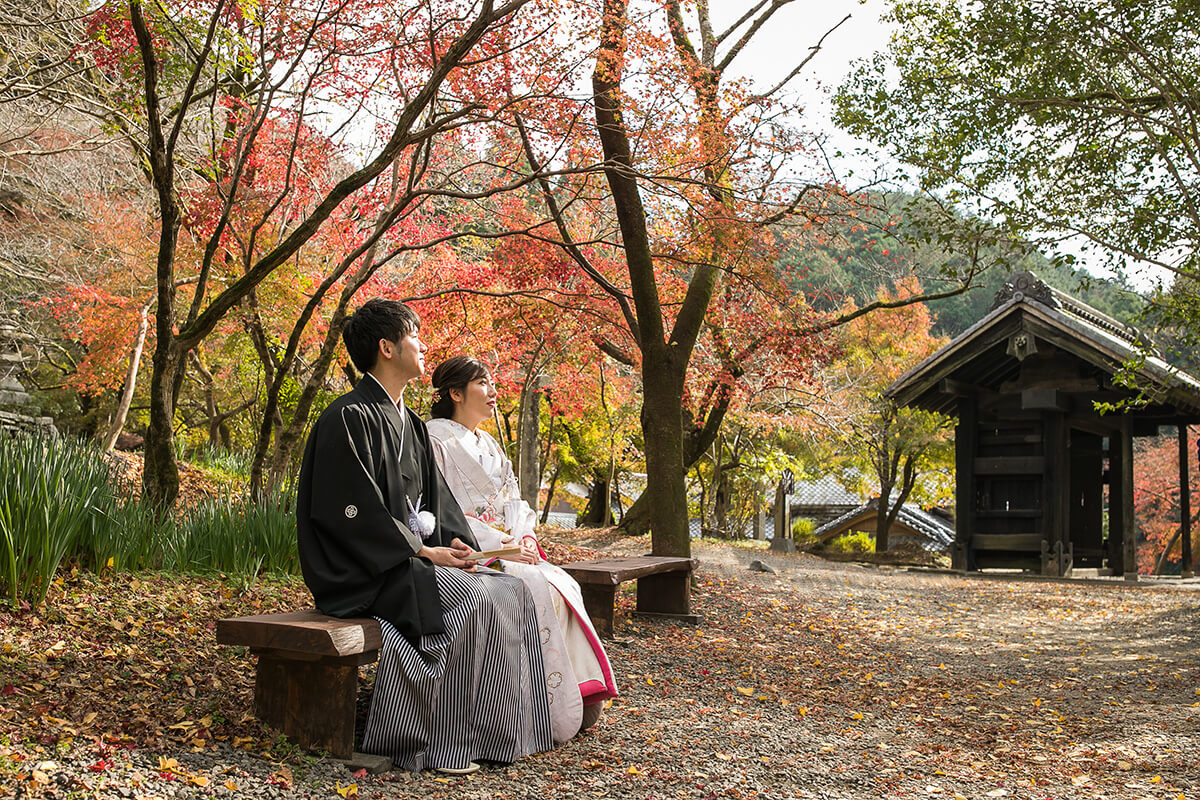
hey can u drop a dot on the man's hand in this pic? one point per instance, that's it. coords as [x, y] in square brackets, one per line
[453, 556]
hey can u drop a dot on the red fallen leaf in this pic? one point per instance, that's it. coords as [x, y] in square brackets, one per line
[100, 765]
[8, 690]
[360, 774]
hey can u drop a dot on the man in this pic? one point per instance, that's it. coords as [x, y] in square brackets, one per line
[381, 535]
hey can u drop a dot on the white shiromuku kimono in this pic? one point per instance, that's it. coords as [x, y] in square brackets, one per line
[481, 478]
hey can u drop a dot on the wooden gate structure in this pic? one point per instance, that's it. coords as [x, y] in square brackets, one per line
[1044, 479]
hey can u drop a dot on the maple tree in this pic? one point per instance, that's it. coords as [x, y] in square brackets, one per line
[216, 99]
[710, 217]
[875, 445]
[1156, 500]
[700, 167]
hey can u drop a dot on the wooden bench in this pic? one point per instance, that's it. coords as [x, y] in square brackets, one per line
[307, 679]
[662, 587]
[306, 684]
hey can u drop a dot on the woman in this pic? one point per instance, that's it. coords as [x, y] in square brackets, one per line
[481, 478]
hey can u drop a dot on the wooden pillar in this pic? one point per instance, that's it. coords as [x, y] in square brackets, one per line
[1056, 491]
[1128, 517]
[1116, 514]
[965, 434]
[760, 515]
[783, 541]
[1185, 506]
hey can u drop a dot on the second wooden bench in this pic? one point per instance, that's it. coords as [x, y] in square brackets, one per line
[662, 587]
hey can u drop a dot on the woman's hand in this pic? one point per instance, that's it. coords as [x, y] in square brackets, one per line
[529, 551]
[453, 556]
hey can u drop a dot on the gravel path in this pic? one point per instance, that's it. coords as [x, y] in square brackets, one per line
[818, 681]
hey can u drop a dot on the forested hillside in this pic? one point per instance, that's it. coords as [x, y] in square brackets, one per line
[876, 250]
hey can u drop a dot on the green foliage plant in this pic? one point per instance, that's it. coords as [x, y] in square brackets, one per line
[60, 500]
[851, 543]
[235, 535]
[802, 529]
[52, 495]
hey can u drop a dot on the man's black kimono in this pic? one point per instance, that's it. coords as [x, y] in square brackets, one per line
[356, 549]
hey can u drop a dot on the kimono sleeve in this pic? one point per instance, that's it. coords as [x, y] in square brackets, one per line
[347, 501]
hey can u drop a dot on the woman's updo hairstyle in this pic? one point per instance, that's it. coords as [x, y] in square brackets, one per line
[453, 373]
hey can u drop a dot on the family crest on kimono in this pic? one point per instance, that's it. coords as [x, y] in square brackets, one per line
[479, 474]
[460, 671]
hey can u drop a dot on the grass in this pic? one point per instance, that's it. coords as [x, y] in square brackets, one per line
[59, 500]
[236, 535]
[54, 493]
[215, 459]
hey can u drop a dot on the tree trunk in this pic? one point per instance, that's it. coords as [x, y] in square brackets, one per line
[721, 494]
[598, 511]
[887, 512]
[637, 518]
[549, 496]
[662, 429]
[135, 358]
[882, 524]
[160, 473]
[528, 428]
[1164, 556]
[665, 356]
[288, 436]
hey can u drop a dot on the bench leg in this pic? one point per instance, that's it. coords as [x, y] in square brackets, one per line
[667, 594]
[600, 601]
[312, 702]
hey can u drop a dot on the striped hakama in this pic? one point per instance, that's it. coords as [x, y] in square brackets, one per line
[475, 692]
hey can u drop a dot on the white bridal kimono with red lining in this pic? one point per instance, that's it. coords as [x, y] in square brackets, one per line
[482, 480]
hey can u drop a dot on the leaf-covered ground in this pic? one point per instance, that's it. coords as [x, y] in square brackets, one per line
[820, 681]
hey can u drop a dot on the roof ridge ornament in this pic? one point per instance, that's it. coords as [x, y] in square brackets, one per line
[1025, 285]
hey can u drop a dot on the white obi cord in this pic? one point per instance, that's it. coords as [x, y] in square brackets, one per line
[420, 522]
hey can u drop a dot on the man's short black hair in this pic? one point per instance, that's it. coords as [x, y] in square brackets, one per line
[376, 319]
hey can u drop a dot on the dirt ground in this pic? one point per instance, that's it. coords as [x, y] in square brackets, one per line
[819, 680]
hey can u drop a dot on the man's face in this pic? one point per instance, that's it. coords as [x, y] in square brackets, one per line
[410, 355]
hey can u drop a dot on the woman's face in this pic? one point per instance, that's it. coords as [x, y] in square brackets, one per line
[475, 403]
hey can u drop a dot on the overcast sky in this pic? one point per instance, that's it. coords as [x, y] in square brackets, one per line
[798, 27]
[795, 29]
